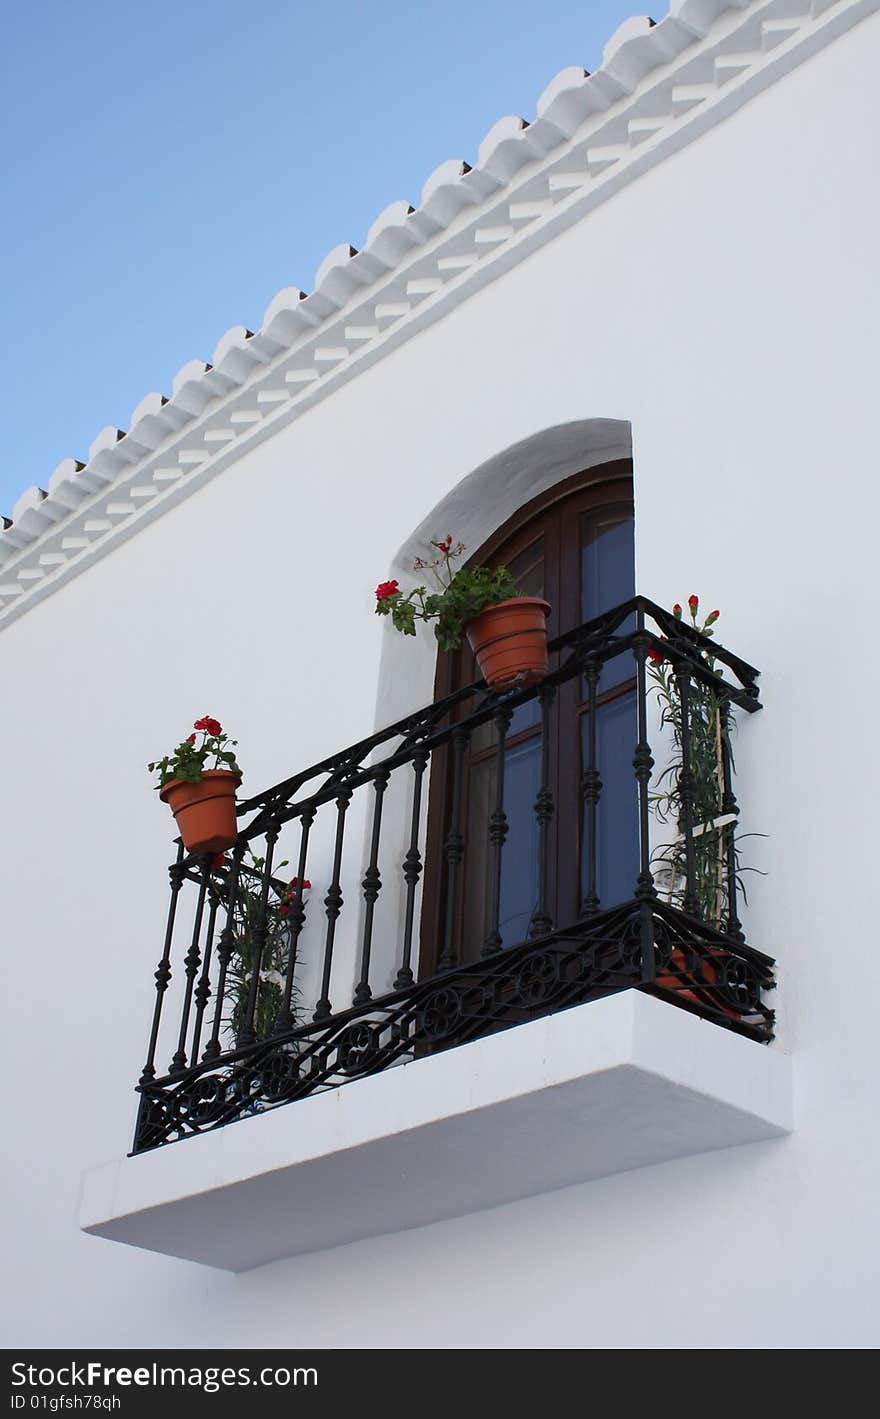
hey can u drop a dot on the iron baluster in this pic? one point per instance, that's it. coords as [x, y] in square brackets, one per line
[333, 906]
[542, 922]
[284, 1021]
[247, 1033]
[225, 949]
[454, 850]
[372, 886]
[591, 788]
[643, 763]
[163, 970]
[690, 902]
[412, 868]
[203, 989]
[191, 965]
[733, 925]
[498, 829]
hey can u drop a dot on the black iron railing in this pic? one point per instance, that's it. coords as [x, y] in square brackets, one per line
[256, 1015]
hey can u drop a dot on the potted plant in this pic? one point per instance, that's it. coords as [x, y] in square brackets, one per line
[507, 632]
[711, 824]
[284, 918]
[198, 782]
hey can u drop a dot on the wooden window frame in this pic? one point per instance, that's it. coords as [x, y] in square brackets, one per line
[604, 487]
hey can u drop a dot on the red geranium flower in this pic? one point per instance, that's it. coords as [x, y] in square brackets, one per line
[209, 725]
[219, 860]
[655, 657]
[384, 590]
[294, 883]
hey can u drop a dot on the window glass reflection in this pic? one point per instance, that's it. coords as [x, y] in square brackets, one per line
[617, 823]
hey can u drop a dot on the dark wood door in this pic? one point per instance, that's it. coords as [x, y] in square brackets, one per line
[575, 548]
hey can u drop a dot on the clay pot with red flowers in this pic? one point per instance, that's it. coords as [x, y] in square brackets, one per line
[507, 632]
[198, 782]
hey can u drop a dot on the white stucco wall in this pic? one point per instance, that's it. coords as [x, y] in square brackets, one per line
[725, 306]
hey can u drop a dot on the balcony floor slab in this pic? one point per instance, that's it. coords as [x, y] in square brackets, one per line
[604, 1087]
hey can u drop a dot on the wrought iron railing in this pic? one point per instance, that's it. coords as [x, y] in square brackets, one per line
[256, 1018]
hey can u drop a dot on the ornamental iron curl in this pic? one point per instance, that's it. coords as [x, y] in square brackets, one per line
[537, 978]
[357, 1047]
[440, 1014]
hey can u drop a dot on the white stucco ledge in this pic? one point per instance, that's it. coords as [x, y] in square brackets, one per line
[611, 1085]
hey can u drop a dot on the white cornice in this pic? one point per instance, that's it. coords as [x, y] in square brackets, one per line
[659, 87]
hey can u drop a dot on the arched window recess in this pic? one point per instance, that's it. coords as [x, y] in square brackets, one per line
[545, 806]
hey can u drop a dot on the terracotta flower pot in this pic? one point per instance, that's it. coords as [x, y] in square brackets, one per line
[205, 811]
[509, 641]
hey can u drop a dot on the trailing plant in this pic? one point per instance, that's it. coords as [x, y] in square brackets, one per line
[710, 722]
[246, 918]
[190, 759]
[461, 594]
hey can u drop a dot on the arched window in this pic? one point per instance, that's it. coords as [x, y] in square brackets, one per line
[573, 545]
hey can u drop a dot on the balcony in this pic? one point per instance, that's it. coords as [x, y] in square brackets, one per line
[282, 1049]
[253, 1011]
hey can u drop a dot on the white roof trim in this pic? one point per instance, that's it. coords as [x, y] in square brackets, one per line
[658, 87]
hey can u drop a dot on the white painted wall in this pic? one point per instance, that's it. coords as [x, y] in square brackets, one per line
[725, 305]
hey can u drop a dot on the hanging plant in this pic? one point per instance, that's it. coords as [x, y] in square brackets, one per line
[507, 632]
[710, 723]
[285, 910]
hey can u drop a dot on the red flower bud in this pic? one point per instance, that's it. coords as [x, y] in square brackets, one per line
[190, 739]
[283, 911]
[693, 602]
[712, 616]
[219, 860]
[294, 883]
[676, 611]
[386, 589]
[655, 657]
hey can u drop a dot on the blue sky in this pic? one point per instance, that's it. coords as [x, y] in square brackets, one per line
[168, 166]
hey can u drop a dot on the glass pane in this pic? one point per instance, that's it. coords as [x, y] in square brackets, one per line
[481, 799]
[617, 819]
[607, 579]
[519, 860]
[607, 564]
[528, 568]
[519, 864]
